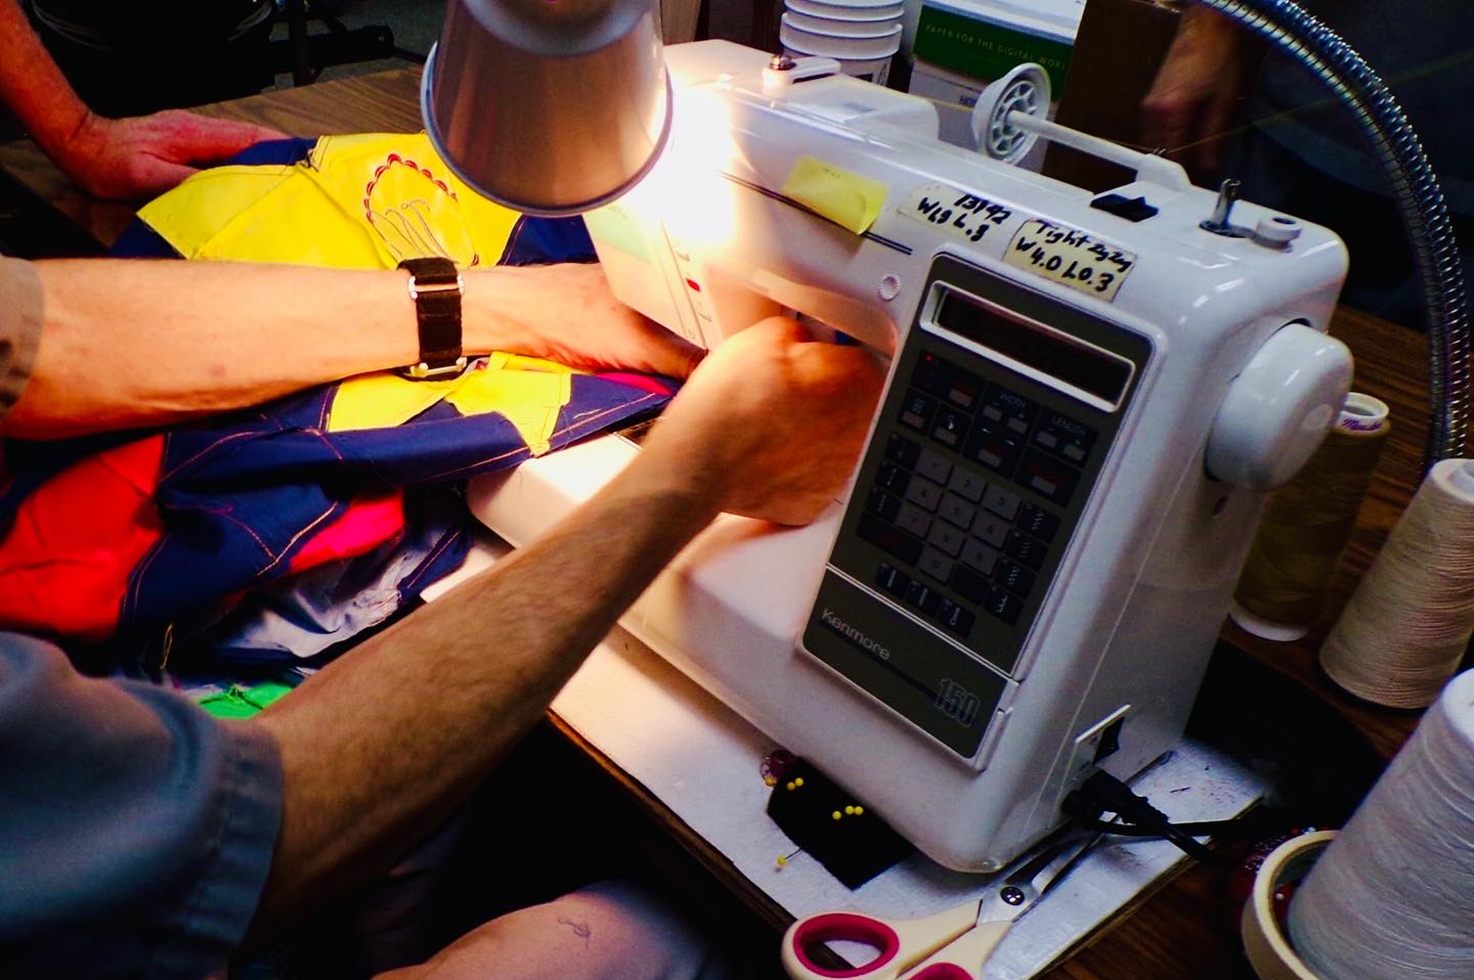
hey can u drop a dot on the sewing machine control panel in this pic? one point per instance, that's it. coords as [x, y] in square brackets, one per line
[999, 416]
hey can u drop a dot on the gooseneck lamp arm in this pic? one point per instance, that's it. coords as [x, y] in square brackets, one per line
[1416, 191]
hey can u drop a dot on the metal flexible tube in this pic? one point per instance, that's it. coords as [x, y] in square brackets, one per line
[1416, 192]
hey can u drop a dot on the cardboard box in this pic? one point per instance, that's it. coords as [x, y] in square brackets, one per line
[984, 39]
[1118, 48]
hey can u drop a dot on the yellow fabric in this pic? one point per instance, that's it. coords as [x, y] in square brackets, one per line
[528, 391]
[367, 202]
[356, 202]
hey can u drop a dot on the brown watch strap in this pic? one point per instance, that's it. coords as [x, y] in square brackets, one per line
[435, 287]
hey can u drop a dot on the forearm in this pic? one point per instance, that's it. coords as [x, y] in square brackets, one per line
[33, 87]
[129, 343]
[381, 744]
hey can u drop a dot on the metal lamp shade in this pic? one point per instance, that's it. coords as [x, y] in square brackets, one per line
[549, 107]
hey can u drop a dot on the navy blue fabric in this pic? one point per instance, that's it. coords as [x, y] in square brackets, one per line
[282, 152]
[542, 241]
[303, 619]
[238, 497]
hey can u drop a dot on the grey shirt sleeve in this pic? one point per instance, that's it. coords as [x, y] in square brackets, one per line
[20, 328]
[136, 831]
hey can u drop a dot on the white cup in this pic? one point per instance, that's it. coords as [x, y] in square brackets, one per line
[842, 11]
[840, 28]
[863, 48]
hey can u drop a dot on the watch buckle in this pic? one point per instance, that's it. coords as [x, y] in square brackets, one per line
[424, 372]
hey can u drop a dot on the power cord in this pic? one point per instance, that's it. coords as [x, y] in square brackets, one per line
[1134, 816]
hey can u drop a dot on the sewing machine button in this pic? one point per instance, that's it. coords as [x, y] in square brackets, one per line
[1013, 577]
[935, 564]
[917, 410]
[979, 556]
[934, 466]
[947, 538]
[891, 477]
[899, 449]
[888, 539]
[1025, 550]
[1130, 208]
[892, 580]
[951, 428]
[932, 375]
[957, 510]
[1065, 437]
[882, 504]
[924, 494]
[993, 449]
[1018, 410]
[970, 585]
[923, 597]
[915, 520]
[1002, 502]
[965, 390]
[1038, 521]
[967, 483]
[993, 530]
[1003, 605]
[1048, 477]
[955, 618]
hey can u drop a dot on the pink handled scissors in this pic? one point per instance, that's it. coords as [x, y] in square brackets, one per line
[951, 945]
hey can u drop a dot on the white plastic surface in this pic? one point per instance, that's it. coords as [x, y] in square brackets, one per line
[1279, 409]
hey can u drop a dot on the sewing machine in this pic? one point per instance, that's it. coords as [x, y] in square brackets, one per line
[1088, 395]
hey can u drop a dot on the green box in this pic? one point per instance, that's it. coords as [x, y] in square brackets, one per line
[985, 50]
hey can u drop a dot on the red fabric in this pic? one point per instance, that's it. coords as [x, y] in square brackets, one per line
[367, 523]
[65, 562]
[642, 382]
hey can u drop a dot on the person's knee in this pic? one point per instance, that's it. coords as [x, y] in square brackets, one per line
[639, 928]
[613, 930]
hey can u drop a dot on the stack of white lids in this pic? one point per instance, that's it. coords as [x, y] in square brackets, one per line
[862, 35]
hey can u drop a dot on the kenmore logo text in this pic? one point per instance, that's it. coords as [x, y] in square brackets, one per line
[853, 635]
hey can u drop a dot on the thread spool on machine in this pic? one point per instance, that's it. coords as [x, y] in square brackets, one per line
[1307, 525]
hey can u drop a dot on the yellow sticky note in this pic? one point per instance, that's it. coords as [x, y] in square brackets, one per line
[848, 199]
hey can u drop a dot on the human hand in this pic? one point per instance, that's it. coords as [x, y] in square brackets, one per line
[771, 422]
[1191, 101]
[141, 156]
[567, 313]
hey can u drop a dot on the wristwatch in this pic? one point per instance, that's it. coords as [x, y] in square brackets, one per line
[436, 288]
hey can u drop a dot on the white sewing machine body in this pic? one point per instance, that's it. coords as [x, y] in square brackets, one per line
[1034, 563]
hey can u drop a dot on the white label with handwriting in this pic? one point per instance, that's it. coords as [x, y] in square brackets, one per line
[961, 214]
[1071, 257]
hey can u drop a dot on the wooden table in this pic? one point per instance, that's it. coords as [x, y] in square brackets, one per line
[1184, 932]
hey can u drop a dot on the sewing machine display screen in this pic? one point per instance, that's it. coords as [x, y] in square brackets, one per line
[1033, 345]
[1000, 414]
